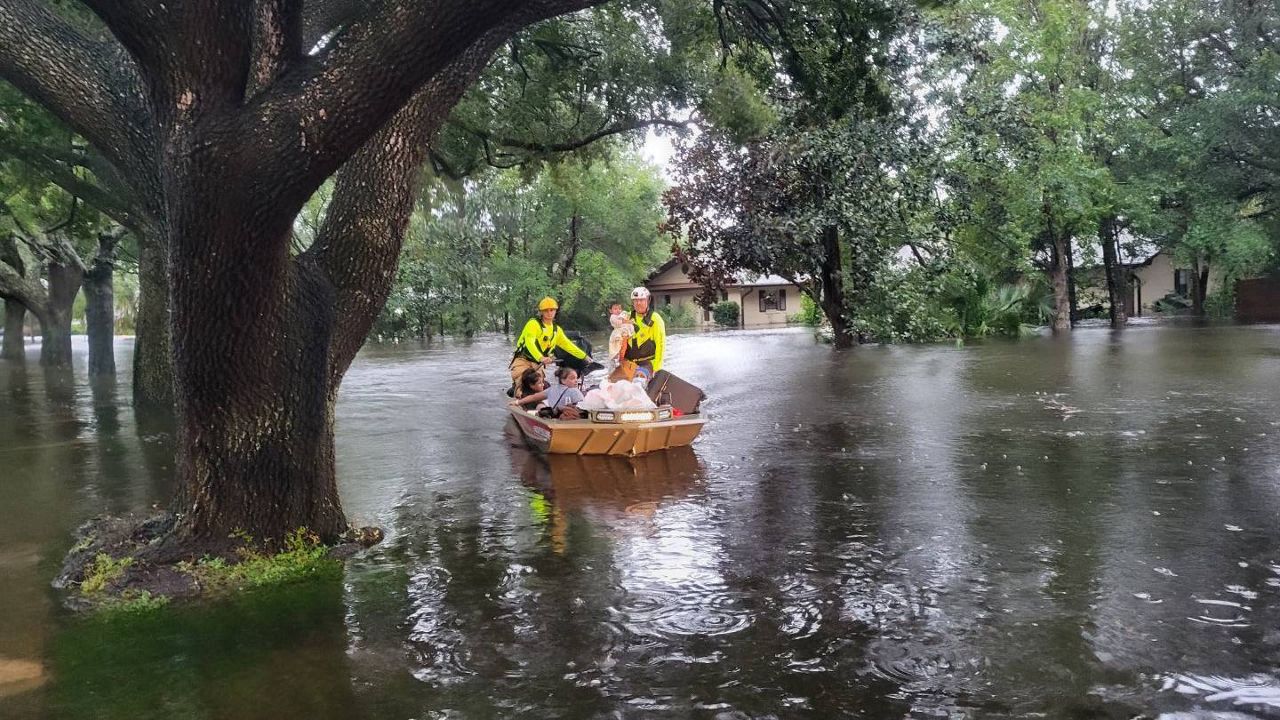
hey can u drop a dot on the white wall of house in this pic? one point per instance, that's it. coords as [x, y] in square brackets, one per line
[779, 302]
[1157, 279]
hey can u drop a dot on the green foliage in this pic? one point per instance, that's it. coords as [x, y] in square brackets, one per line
[485, 251]
[102, 572]
[980, 308]
[303, 557]
[678, 316]
[726, 313]
[132, 602]
[809, 313]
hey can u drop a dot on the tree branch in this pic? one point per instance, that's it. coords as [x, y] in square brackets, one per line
[14, 286]
[364, 227]
[91, 86]
[277, 40]
[43, 162]
[321, 111]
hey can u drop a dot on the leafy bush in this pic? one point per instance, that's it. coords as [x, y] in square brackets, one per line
[1171, 303]
[726, 313]
[104, 571]
[678, 316]
[809, 313]
[979, 308]
[1221, 304]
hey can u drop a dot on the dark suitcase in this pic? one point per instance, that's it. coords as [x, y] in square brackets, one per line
[667, 389]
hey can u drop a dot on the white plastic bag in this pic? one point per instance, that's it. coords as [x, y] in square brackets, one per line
[620, 395]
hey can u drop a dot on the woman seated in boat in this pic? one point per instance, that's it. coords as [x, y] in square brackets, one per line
[565, 395]
[532, 388]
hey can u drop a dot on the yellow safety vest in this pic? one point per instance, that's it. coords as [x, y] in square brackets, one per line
[648, 341]
[536, 341]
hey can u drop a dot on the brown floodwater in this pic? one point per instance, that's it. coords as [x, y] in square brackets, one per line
[1063, 528]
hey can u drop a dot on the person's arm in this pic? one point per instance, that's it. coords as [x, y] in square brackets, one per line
[533, 399]
[564, 343]
[529, 340]
[659, 341]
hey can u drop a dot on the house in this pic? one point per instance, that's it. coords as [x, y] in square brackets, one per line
[765, 300]
[1155, 277]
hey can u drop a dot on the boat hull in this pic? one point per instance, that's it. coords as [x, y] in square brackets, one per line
[583, 437]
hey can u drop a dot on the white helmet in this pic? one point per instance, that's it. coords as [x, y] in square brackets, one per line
[640, 293]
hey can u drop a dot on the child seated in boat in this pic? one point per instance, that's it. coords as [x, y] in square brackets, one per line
[622, 331]
[562, 400]
[532, 388]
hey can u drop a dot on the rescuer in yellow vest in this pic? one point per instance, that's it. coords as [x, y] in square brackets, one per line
[649, 340]
[541, 335]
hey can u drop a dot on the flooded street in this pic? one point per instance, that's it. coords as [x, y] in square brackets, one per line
[1080, 528]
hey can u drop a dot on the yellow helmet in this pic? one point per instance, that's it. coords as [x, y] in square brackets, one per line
[548, 303]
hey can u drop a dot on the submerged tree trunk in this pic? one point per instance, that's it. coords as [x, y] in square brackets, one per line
[832, 287]
[1199, 287]
[1108, 236]
[1071, 288]
[1061, 285]
[99, 308]
[64, 280]
[15, 315]
[15, 310]
[153, 347]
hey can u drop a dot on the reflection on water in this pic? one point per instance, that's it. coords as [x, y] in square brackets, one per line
[1068, 528]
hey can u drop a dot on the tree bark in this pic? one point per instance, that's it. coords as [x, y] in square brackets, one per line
[153, 347]
[15, 311]
[831, 281]
[1061, 286]
[99, 308]
[1072, 295]
[15, 315]
[1199, 287]
[1108, 236]
[64, 279]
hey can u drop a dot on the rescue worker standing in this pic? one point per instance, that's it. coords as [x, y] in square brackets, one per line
[647, 343]
[541, 335]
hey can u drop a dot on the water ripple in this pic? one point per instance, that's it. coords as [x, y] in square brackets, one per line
[685, 610]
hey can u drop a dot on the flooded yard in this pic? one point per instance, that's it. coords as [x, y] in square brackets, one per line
[1067, 528]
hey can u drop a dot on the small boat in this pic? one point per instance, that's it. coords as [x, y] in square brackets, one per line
[610, 432]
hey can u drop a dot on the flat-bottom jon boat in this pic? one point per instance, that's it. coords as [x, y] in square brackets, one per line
[610, 432]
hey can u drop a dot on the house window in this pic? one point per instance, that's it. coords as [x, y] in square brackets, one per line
[706, 316]
[724, 296]
[773, 299]
[666, 299]
[1181, 281]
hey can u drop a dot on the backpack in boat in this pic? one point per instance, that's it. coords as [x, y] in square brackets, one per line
[667, 389]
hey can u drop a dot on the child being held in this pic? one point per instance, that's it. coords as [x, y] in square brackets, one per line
[622, 331]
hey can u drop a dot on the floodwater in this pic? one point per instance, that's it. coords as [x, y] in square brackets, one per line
[1081, 528]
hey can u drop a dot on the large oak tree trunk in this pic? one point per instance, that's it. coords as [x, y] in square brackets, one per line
[55, 323]
[1108, 236]
[15, 315]
[99, 310]
[832, 283]
[153, 348]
